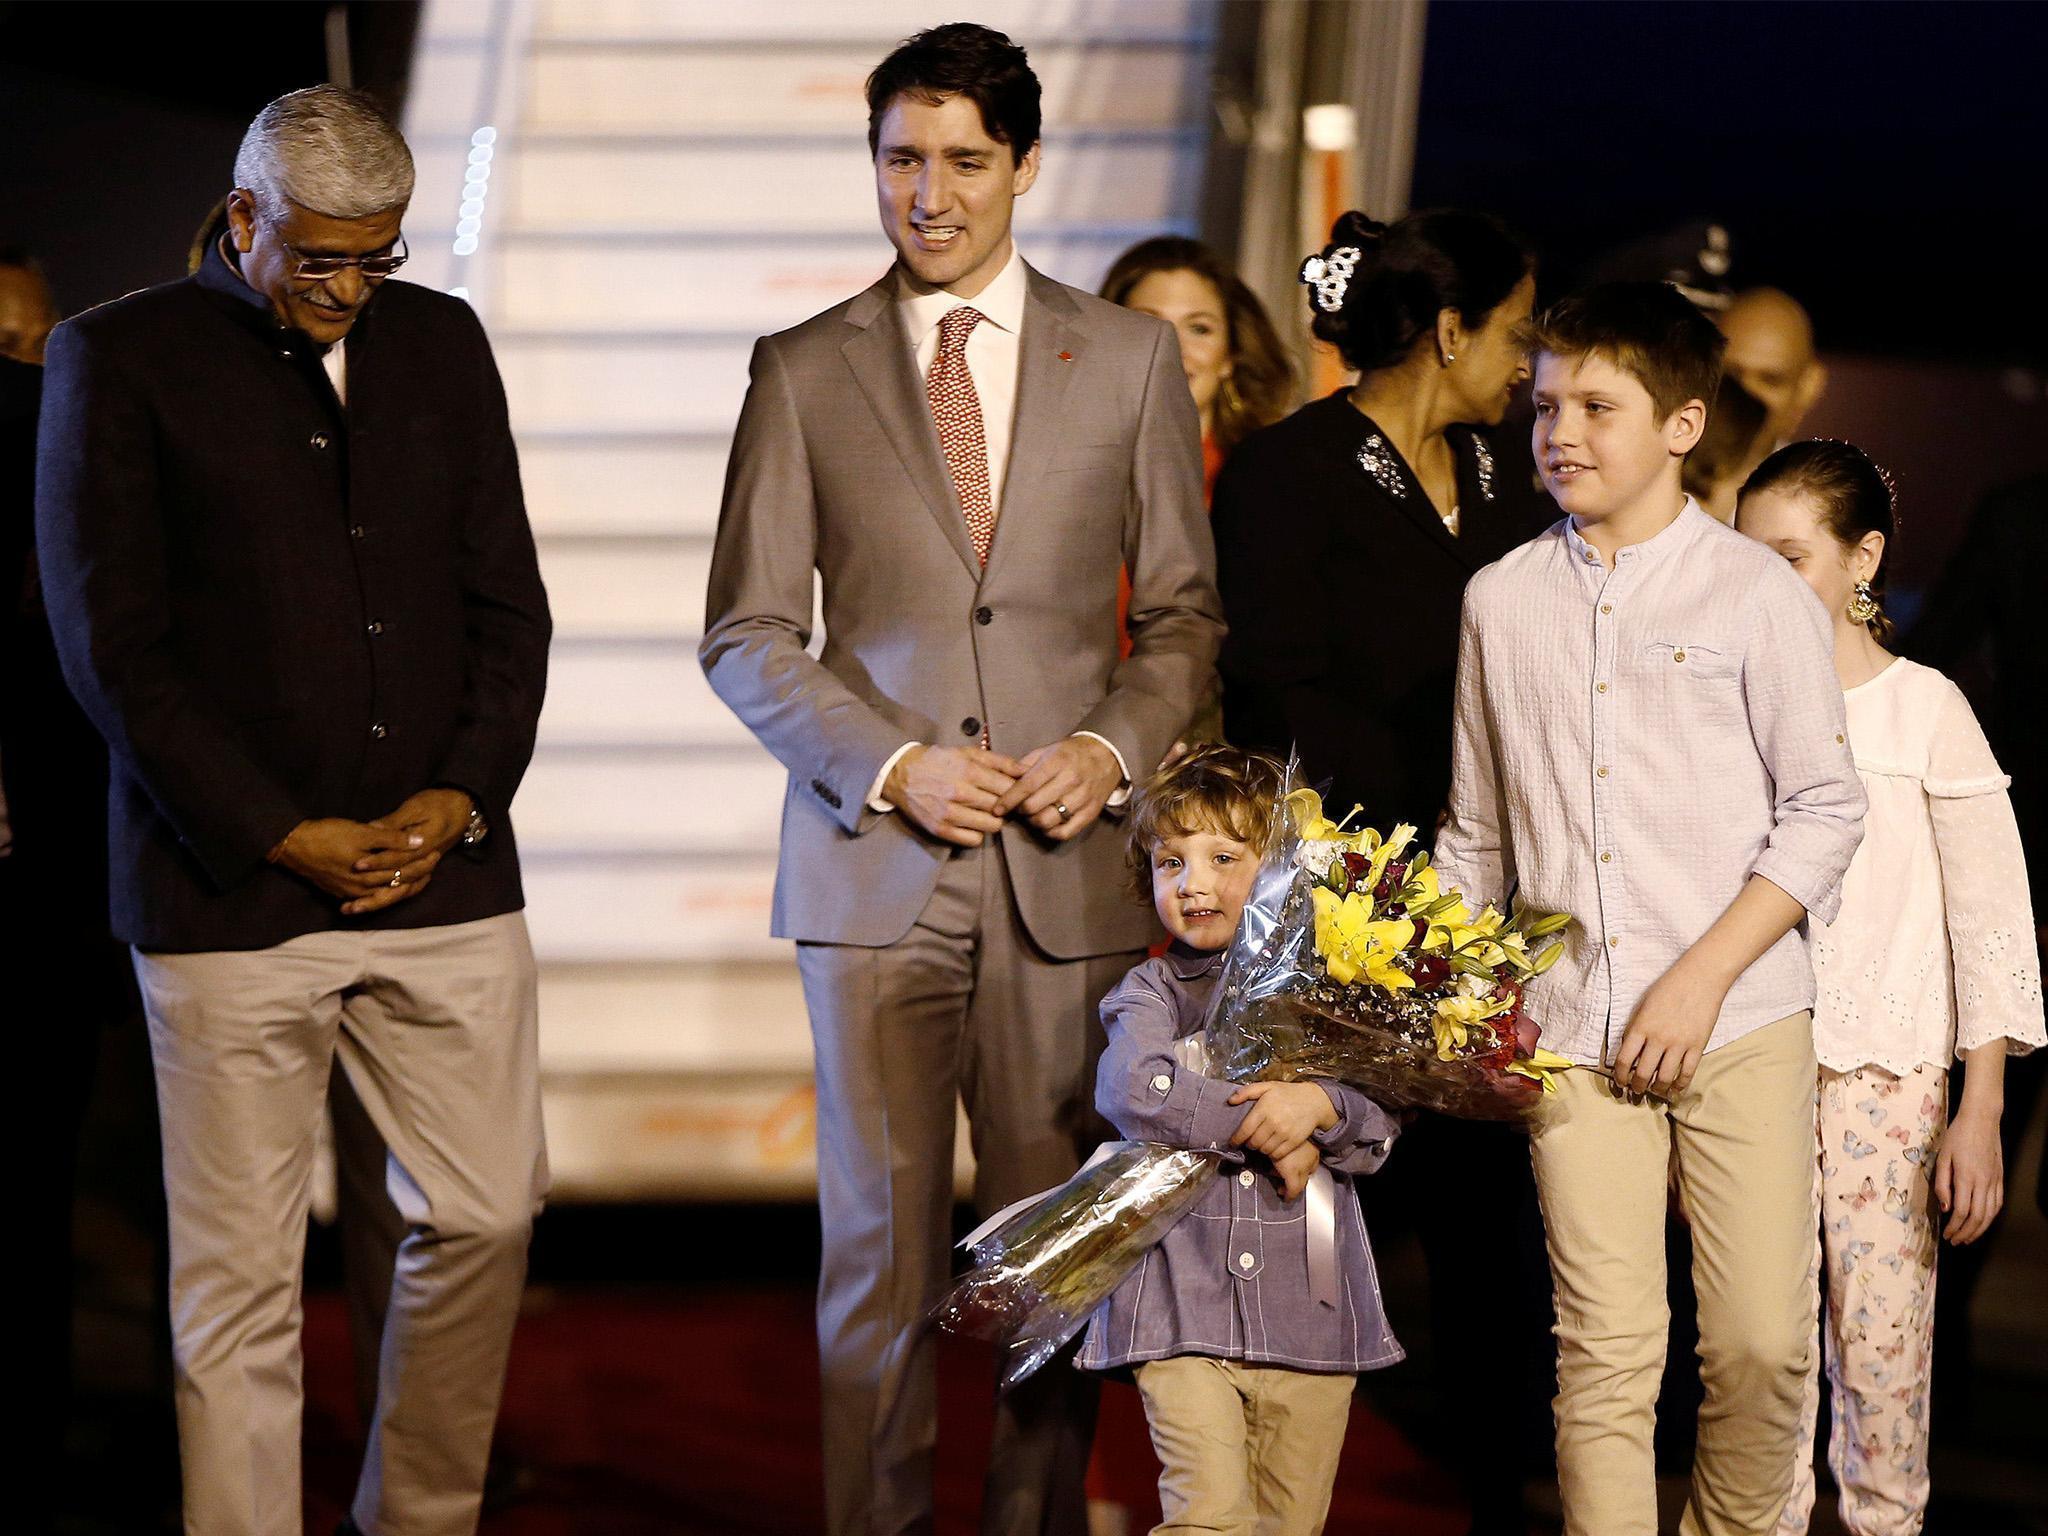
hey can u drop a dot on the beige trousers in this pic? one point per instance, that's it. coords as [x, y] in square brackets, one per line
[1742, 1133]
[1247, 1450]
[435, 1028]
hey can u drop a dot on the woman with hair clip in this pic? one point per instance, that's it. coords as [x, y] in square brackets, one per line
[1932, 956]
[1344, 538]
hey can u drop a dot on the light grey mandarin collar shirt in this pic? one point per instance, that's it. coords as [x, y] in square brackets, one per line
[1631, 745]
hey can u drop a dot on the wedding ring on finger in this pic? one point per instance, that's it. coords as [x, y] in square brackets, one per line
[1061, 807]
[398, 877]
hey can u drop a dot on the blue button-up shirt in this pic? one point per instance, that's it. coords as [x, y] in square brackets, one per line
[1231, 1278]
[1630, 746]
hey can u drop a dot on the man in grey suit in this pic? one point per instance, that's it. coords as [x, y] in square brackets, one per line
[965, 453]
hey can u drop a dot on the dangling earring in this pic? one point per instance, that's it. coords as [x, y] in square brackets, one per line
[1864, 606]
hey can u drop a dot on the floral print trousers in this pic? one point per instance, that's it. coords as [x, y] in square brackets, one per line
[1873, 1192]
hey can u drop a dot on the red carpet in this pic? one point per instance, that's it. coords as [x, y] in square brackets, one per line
[688, 1412]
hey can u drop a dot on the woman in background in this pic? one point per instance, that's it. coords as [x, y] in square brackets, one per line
[1237, 369]
[1344, 538]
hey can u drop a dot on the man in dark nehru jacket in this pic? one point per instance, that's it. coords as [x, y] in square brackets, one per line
[292, 583]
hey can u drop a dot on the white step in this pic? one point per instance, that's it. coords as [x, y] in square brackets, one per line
[623, 384]
[642, 87]
[730, 1017]
[742, 287]
[773, 190]
[603, 908]
[644, 589]
[609, 484]
[876, 24]
[683, 1082]
[633, 694]
[639, 801]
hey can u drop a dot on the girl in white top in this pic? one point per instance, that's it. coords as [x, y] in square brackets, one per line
[1932, 956]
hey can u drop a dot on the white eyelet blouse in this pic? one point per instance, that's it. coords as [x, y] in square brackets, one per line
[1933, 950]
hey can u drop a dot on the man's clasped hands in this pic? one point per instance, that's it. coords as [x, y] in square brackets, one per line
[369, 865]
[962, 795]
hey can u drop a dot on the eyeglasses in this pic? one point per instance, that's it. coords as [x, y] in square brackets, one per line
[318, 269]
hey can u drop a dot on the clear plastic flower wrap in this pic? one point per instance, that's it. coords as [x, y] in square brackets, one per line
[1041, 1270]
[1350, 963]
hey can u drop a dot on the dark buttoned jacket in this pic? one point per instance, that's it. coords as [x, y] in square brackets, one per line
[274, 607]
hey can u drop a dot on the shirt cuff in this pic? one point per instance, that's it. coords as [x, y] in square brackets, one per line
[1123, 791]
[875, 800]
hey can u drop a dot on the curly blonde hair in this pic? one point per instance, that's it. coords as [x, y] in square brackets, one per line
[1223, 790]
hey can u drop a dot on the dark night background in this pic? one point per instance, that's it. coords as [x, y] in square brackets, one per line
[1880, 161]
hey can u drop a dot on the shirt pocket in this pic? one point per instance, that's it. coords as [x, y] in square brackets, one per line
[1690, 661]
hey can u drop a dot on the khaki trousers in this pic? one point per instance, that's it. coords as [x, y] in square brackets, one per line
[435, 1028]
[964, 1007]
[1743, 1138]
[1247, 1450]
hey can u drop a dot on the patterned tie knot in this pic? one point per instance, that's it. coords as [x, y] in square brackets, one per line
[955, 327]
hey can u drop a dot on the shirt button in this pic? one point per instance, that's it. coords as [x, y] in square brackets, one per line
[984, 615]
[374, 627]
[1607, 858]
[1599, 687]
[378, 732]
[1678, 655]
[1607, 607]
[970, 726]
[1161, 1083]
[320, 440]
[1600, 773]
[1840, 739]
[1245, 1178]
[1615, 942]
[1245, 1261]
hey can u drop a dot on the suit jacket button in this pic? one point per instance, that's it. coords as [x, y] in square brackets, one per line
[984, 615]
[321, 439]
[378, 731]
[970, 726]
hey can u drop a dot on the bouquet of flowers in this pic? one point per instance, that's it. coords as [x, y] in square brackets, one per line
[1351, 963]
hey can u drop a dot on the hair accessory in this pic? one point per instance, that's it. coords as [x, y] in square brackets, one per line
[1329, 276]
[1864, 606]
[1891, 486]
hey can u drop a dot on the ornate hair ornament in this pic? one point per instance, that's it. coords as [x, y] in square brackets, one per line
[1330, 275]
[1891, 486]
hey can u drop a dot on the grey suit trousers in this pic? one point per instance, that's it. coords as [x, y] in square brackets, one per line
[964, 1007]
[436, 1029]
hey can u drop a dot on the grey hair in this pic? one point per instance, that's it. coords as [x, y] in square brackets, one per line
[328, 149]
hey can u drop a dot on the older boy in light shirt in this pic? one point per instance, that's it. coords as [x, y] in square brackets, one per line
[1648, 735]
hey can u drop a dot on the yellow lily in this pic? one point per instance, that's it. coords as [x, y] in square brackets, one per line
[1386, 853]
[1542, 1067]
[1454, 1018]
[1353, 945]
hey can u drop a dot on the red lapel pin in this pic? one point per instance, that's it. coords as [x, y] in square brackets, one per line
[1066, 357]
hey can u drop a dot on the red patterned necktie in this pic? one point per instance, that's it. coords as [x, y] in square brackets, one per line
[957, 410]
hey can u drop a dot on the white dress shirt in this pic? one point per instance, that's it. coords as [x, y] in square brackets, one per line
[992, 349]
[1630, 745]
[335, 361]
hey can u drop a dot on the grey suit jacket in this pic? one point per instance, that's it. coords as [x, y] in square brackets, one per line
[836, 468]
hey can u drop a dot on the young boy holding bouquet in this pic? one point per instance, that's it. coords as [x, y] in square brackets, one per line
[1247, 1326]
[1648, 736]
